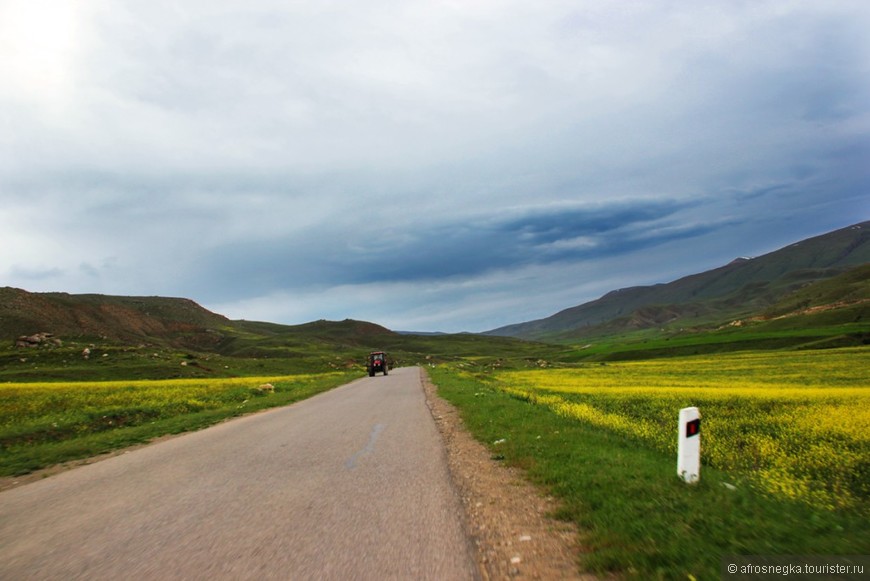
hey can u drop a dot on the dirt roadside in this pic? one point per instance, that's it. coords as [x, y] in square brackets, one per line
[506, 516]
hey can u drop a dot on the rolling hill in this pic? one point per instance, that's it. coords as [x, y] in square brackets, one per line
[743, 288]
[58, 336]
[159, 321]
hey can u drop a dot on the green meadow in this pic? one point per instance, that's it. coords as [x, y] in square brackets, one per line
[785, 453]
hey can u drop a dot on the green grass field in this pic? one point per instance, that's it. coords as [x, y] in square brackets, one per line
[784, 443]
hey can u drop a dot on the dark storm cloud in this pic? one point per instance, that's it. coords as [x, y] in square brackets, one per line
[290, 161]
[468, 248]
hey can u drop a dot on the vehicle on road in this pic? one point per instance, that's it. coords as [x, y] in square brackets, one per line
[377, 362]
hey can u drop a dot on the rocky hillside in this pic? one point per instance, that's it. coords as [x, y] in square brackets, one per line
[157, 320]
[47, 319]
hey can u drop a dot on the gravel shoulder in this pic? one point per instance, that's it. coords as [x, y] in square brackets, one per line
[507, 518]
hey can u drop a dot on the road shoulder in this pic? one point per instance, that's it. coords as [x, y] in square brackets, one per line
[506, 516]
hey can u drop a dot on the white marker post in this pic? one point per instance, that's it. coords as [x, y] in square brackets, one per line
[689, 445]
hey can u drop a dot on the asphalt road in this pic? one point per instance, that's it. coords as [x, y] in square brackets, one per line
[350, 484]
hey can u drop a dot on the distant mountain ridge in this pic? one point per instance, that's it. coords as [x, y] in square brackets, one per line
[799, 276]
[742, 287]
[176, 322]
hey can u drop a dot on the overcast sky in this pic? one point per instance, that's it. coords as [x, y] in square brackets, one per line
[452, 165]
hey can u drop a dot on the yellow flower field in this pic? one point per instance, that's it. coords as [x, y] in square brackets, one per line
[797, 423]
[31, 413]
[21, 401]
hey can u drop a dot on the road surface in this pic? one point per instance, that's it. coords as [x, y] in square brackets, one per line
[350, 484]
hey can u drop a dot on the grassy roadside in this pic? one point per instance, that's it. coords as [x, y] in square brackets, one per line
[638, 518]
[46, 424]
